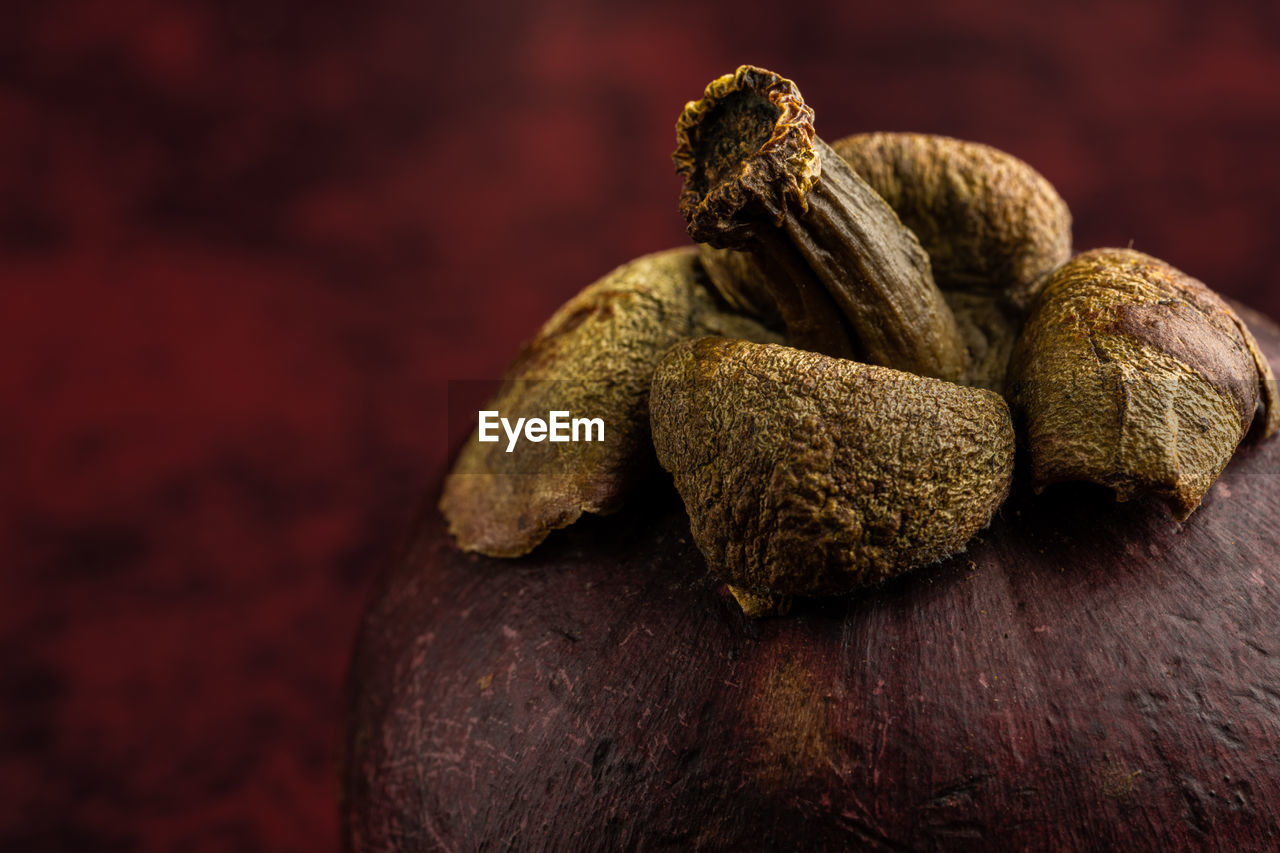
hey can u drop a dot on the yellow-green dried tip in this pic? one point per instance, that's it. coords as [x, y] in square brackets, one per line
[810, 475]
[1133, 375]
[594, 358]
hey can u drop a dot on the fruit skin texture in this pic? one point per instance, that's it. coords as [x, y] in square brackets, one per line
[1087, 675]
[811, 475]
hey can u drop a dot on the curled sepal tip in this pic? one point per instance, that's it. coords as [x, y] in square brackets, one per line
[1135, 376]
[594, 358]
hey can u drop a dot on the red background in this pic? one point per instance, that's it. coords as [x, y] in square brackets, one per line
[244, 246]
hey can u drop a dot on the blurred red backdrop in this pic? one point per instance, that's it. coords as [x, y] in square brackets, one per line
[244, 246]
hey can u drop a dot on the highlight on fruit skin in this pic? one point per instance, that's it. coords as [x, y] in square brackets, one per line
[809, 475]
[1135, 376]
[595, 357]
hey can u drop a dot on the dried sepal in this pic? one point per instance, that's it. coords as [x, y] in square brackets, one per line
[989, 221]
[993, 228]
[809, 475]
[593, 358]
[1135, 376]
[1268, 390]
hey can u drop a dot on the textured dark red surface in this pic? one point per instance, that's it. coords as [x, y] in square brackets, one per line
[244, 246]
[1088, 675]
